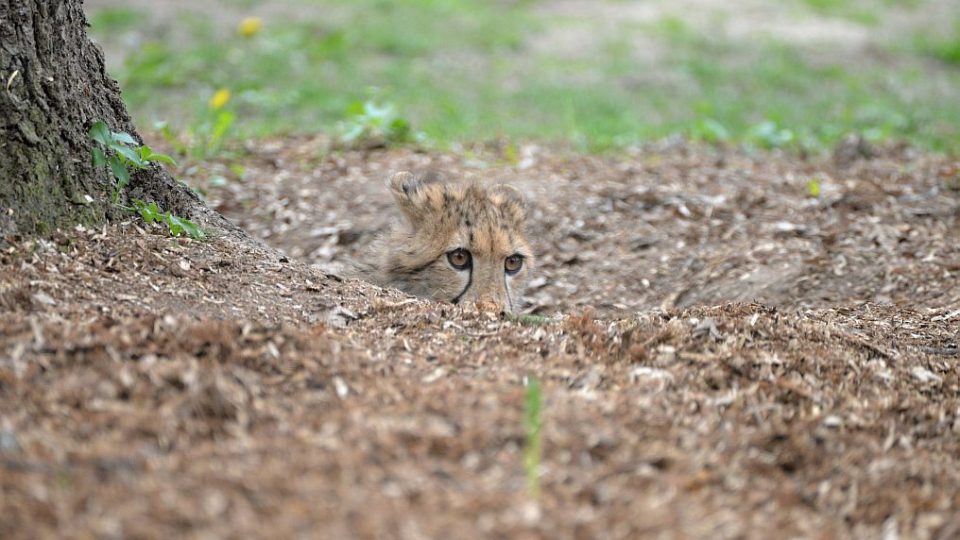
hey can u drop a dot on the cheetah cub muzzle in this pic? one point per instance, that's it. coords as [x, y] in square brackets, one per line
[459, 243]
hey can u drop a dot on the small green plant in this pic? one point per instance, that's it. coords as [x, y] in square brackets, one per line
[947, 49]
[710, 130]
[209, 135]
[371, 122]
[152, 213]
[206, 135]
[528, 319]
[511, 154]
[768, 134]
[533, 450]
[171, 138]
[122, 153]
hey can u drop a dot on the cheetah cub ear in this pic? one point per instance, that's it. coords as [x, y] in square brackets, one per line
[510, 201]
[409, 194]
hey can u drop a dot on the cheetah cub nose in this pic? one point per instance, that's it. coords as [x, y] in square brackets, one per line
[457, 243]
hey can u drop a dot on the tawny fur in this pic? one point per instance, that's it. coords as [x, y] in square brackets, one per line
[441, 218]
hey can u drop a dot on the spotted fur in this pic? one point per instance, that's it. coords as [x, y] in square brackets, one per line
[441, 218]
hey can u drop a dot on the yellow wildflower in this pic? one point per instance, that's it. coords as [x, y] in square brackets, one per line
[220, 98]
[250, 26]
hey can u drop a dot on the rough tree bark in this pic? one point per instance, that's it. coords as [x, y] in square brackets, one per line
[53, 87]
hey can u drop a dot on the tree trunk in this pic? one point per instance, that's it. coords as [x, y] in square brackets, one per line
[53, 87]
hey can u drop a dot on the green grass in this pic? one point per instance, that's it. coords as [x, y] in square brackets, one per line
[468, 70]
[113, 20]
[846, 9]
[944, 48]
[869, 13]
[781, 90]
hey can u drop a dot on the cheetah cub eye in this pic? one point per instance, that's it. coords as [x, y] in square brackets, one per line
[513, 264]
[458, 243]
[459, 259]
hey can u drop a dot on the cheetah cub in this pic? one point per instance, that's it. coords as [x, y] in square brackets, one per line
[459, 243]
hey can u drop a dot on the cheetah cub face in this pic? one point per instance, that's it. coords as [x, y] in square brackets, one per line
[460, 243]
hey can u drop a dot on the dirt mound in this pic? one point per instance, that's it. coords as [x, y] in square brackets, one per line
[152, 387]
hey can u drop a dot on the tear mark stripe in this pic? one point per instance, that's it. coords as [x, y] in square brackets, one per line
[465, 289]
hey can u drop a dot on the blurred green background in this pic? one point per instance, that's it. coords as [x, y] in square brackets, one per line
[604, 74]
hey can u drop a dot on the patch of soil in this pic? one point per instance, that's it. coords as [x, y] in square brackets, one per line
[153, 387]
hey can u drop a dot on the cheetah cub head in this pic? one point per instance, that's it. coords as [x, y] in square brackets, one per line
[460, 243]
